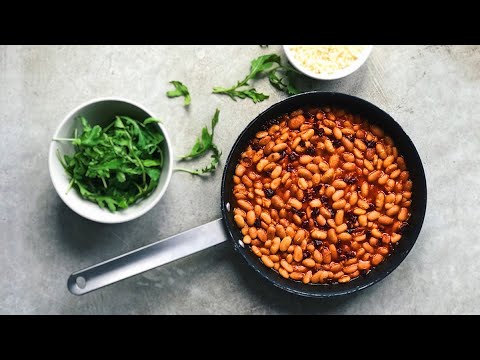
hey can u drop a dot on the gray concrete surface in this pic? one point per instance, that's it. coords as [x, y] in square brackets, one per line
[432, 91]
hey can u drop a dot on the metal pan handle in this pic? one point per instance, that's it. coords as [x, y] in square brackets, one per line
[147, 258]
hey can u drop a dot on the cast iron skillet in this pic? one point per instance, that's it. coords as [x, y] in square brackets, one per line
[375, 116]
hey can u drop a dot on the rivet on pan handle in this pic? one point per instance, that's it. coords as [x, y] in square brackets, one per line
[147, 258]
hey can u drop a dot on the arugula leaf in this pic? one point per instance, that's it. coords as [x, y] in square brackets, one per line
[117, 165]
[282, 79]
[151, 163]
[204, 142]
[250, 93]
[180, 90]
[241, 90]
[263, 63]
[207, 169]
[150, 121]
[202, 145]
[153, 173]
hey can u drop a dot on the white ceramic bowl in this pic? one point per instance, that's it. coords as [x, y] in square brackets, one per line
[337, 75]
[103, 111]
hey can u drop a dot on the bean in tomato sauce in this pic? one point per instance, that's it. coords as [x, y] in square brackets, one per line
[321, 195]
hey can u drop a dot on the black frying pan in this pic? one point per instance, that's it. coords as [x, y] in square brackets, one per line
[375, 116]
[204, 236]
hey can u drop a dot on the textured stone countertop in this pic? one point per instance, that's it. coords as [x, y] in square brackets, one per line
[432, 91]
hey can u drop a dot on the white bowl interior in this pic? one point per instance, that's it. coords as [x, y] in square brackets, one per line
[337, 75]
[102, 112]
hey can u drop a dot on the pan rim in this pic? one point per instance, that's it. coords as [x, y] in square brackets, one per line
[333, 290]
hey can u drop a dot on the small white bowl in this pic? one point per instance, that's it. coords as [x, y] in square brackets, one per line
[337, 75]
[102, 111]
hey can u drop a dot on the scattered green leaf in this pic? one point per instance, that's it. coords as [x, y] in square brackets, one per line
[242, 89]
[116, 166]
[205, 142]
[216, 154]
[202, 145]
[282, 78]
[180, 90]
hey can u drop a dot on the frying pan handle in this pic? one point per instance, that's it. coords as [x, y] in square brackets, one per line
[147, 258]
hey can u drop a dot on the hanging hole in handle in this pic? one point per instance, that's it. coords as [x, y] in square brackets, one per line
[81, 282]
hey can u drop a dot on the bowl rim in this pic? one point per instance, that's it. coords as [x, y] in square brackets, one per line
[335, 76]
[141, 210]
